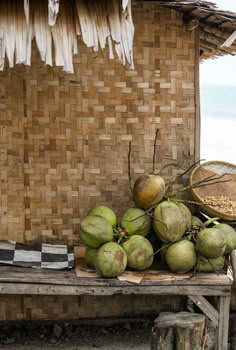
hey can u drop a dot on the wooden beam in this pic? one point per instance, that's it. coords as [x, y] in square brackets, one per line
[213, 48]
[215, 40]
[229, 42]
[224, 34]
[49, 289]
[197, 131]
[207, 308]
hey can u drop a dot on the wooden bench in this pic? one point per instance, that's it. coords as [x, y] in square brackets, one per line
[26, 281]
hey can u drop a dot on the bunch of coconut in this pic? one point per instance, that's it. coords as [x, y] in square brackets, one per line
[187, 243]
[110, 248]
[96, 233]
[170, 221]
[136, 224]
[212, 244]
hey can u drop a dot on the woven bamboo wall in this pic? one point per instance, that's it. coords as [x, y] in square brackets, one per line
[67, 307]
[12, 214]
[64, 137]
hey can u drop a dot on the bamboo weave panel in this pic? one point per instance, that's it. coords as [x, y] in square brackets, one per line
[68, 134]
[11, 155]
[71, 307]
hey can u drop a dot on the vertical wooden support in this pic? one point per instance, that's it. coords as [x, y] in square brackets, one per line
[219, 318]
[197, 98]
[233, 264]
[223, 328]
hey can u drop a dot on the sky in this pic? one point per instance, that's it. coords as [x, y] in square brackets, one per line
[220, 71]
[218, 133]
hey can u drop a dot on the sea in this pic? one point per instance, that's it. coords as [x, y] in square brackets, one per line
[218, 123]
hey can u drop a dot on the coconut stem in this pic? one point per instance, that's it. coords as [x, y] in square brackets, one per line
[210, 221]
[154, 152]
[167, 165]
[129, 168]
[166, 246]
[213, 267]
[198, 184]
[185, 201]
[172, 181]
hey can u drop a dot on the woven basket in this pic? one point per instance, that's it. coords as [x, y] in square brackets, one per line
[221, 191]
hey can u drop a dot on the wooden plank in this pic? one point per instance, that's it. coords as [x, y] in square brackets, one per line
[197, 97]
[207, 308]
[224, 307]
[72, 280]
[68, 277]
[233, 263]
[122, 288]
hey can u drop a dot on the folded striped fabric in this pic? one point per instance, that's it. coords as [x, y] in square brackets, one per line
[37, 255]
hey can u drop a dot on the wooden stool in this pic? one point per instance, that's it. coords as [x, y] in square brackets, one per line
[178, 331]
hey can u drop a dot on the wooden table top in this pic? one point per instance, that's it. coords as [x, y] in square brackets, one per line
[14, 274]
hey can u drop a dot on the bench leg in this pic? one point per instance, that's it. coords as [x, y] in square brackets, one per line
[223, 328]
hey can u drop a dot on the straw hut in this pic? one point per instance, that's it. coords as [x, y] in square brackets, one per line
[79, 80]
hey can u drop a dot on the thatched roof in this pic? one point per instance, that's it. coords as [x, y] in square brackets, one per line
[217, 27]
[99, 23]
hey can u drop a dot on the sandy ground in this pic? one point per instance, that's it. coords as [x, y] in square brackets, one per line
[126, 336]
[72, 335]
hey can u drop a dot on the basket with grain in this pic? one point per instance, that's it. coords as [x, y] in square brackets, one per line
[215, 189]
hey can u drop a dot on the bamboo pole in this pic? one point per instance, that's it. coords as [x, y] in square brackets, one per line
[197, 119]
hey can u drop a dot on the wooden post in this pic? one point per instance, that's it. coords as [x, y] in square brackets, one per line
[224, 306]
[197, 136]
[163, 333]
[180, 331]
[233, 264]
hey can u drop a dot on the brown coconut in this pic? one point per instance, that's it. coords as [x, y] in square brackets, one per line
[148, 190]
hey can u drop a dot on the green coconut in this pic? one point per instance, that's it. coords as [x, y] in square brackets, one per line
[169, 222]
[196, 222]
[181, 257]
[95, 231]
[209, 265]
[187, 214]
[230, 235]
[136, 221]
[105, 212]
[164, 248]
[111, 260]
[211, 242]
[90, 256]
[139, 252]
[148, 190]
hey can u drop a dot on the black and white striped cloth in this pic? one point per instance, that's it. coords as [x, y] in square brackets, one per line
[39, 255]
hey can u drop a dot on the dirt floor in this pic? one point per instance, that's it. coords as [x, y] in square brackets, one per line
[71, 336]
[116, 334]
